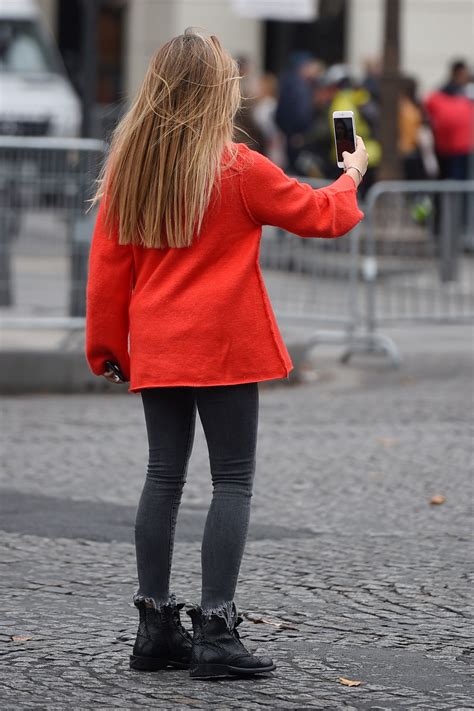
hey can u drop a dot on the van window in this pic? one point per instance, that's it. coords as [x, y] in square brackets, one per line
[24, 49]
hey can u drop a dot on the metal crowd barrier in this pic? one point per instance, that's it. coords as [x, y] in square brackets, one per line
[44, 229]
[411, 259]
[417, 258]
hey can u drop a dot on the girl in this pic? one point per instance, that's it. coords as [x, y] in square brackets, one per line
[176, 299]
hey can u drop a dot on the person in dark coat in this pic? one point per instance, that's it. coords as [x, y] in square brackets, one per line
[294, 114]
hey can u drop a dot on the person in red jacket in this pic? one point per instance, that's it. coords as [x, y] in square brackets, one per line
[176, 300]
[451, 113]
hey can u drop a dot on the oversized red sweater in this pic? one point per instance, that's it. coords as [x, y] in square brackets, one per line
[201, 315]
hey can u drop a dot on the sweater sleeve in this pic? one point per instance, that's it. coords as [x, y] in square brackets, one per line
[108, 291]
[272, 198]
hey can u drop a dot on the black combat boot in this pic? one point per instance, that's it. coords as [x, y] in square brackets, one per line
[217, 649]
[162, 640]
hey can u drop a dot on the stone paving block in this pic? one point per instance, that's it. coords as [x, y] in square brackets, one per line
[344, 547]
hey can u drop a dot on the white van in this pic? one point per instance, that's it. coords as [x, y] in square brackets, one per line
[36, 97]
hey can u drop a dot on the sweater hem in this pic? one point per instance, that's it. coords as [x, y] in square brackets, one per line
[187, 384]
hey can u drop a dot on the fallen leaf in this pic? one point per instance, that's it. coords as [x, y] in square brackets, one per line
[407, 380]
[19, 638]
[348, 682]
[280, 625]
[261, 620]
[438, 499]
[387, 441]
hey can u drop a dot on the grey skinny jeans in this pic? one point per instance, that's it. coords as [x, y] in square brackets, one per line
[229, 416]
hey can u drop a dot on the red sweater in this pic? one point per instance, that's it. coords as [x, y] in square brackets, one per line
[201, 315]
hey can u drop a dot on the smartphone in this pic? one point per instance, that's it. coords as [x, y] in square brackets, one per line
[115, 368]
[344, 134]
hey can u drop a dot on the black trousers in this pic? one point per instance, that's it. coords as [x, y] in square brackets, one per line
[229, 416]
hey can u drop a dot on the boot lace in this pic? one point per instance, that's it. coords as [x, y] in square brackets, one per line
[177, 619]
[235, 632]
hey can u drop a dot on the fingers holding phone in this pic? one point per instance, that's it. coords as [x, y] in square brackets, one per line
[113, 373]
[358, 158]
[111, 376]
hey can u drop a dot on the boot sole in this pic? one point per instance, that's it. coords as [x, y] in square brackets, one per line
[150, 664]
[209, 671]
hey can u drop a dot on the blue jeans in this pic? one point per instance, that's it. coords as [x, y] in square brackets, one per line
[229, 416]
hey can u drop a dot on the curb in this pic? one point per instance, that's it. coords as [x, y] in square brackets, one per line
[30, 371]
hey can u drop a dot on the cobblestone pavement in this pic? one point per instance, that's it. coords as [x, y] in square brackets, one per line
[370, 579]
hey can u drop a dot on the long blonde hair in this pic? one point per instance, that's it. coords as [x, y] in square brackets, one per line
[165, 155]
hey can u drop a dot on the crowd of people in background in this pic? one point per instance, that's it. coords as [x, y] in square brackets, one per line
[289, 119]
